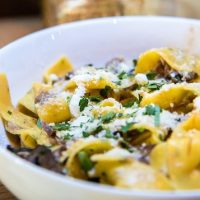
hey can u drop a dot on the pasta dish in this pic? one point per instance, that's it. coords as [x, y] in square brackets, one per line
[130, 124]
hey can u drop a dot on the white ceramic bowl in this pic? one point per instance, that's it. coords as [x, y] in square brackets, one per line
[93, 41]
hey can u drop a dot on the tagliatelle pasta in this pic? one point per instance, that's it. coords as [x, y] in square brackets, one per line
[132, 125]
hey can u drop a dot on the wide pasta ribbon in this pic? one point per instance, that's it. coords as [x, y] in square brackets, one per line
[175, 58]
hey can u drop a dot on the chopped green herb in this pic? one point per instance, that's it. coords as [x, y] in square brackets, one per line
[123, 75]
[157, 116]
[99, 128]
[108, 134]
[108, 117]
[126, 127]
[83, 103]
[151, 75]
[85, 134]
[129, 103]
[68, 99]
[149, 110]
[153, 110]
[131, 114]
[9, 112]
[95, 98]
[67, 137]
[39, 124]
[85, 161]
[155, 86]
[91, 119]
[118, 82]
[61, 127]
[106, 91]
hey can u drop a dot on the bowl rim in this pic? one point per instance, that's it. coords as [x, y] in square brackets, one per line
[52, 176]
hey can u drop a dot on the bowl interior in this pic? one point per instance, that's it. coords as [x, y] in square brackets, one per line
[94, 41]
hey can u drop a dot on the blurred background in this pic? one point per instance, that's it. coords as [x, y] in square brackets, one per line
[20, 17]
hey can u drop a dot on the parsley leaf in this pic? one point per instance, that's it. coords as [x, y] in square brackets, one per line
[123, 75]
[106, 91]
[153, 110]
[108, 134]
[85, 161]
[126, 127]
[68, 99]
[61, 126]
[98, 129]
[149, 110]
[155, 85]
[83, 103]
[39, 124]
[95, 98]
[118, 82]
[85, 134]
[157, 116]
[108, 117]
[67, 137]
[129, 103]
[151, 75]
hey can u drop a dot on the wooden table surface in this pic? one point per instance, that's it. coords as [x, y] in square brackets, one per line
[11, 29]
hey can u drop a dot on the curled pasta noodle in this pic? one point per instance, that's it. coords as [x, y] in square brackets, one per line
[178, 97]
[91, 146]
[123, 172]
[62, 67]
[175, 58]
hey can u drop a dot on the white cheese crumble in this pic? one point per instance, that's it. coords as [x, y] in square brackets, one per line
[87, 74]
[167, 119]
[118, 153]
[64, 94]
[141, 79]
[53, 77]
[123, 67]
[74, 102]
[79, 125]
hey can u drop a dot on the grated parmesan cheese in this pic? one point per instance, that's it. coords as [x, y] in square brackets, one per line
[141, 79]
[74, 102]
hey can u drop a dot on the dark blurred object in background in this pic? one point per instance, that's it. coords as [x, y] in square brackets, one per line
[19, 7]
[18, 18]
